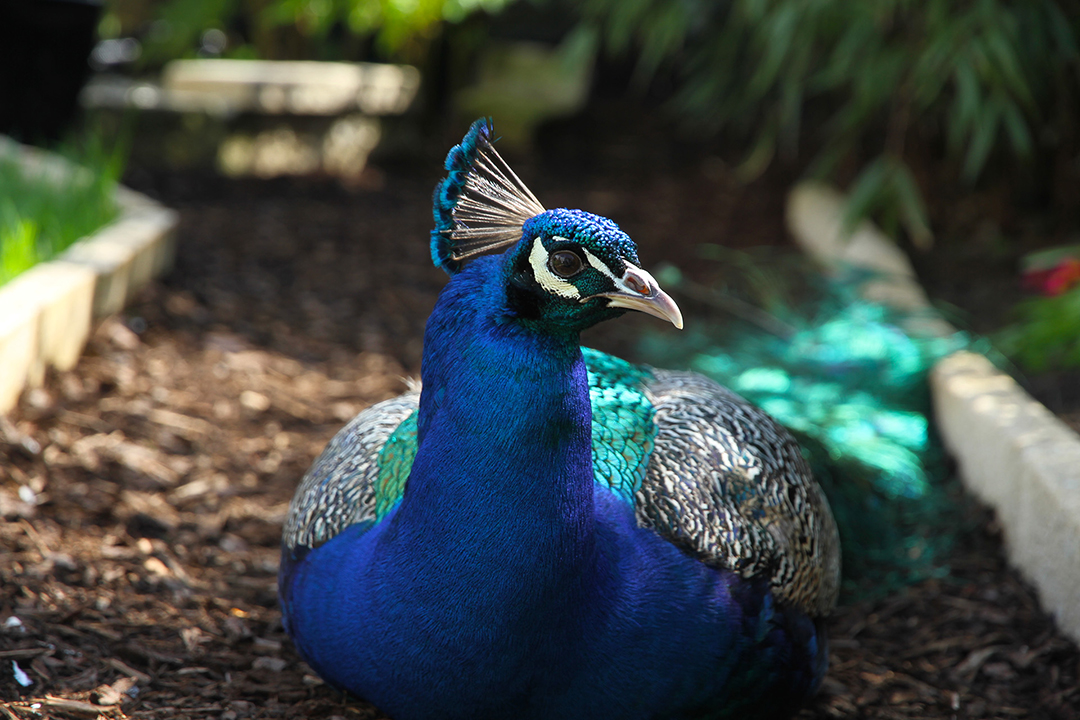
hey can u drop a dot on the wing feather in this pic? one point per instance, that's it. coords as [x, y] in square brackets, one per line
[342, 486]
[730, 486]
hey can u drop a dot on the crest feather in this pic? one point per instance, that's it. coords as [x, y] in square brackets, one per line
[481, 205]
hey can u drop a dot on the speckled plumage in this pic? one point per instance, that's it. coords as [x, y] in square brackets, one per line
[546, 531]
[730, 486]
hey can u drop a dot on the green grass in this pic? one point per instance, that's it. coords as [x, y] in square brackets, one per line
[42, 213]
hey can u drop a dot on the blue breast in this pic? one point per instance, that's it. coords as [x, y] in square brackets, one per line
[661, 634]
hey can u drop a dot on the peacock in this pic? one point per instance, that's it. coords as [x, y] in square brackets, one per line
[548, 531]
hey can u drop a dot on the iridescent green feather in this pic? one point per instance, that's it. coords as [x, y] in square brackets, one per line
[623, 429]
[395, 462]
[623, 433]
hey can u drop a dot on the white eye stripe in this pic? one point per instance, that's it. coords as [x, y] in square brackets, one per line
[599, 265]
[538, 259]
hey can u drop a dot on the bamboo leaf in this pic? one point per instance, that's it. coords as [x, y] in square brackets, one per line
[663, 40]
[866, 194]
[967, 104]
[1062, 29]
[759, 158]
[982, 141]
[973, 68]
[912, 207]
[1006, 61]
[1017, 128]
[624, 22]
[845, 57]
[779, 32]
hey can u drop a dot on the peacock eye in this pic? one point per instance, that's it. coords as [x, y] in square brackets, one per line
[565, 263]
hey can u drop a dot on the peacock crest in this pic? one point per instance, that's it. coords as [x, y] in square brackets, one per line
[481, 205]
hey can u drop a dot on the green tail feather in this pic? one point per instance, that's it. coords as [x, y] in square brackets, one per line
[852, 386]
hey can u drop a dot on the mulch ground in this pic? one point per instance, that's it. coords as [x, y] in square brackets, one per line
[143, 492]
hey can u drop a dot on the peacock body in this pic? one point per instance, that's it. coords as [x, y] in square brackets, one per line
[546, 531]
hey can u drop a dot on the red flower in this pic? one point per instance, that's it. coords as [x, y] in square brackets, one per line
[1062, 277]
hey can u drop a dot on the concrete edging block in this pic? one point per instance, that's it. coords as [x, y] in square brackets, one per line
[66, 293]
[18, 346]
[1013, 453]
[46, 313]
[125, 256]
[1016, 456]
[225, 87]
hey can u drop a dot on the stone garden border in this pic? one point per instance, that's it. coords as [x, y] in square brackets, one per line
[1012, 452]
[47, 312]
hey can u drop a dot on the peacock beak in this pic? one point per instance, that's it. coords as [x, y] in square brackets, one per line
[638, 290]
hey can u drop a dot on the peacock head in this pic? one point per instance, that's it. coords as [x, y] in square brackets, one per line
[573, 269]
[567, 269]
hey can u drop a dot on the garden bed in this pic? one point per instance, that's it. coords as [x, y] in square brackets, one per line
[157, 472]
[48, 309]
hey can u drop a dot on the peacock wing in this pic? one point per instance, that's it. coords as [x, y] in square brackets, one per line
[731, 486]
[714, 475]
[360, 475]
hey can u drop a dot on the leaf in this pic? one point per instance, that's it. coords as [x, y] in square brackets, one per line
[1044, 336]
[970, 68]
[911, 206]
[982, 141]
[760, 157]
[927, 77]
[866, 193]
[664, 38]
[846, 56]
[1003, 52]
[791, 98]
[1062, 30]
[967, 105]
[624, 22]
[779, 33]
[18, 248]
[1017, 128]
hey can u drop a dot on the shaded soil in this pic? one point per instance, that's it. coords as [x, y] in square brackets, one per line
[143, 492]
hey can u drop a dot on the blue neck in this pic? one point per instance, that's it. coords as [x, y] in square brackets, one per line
[503, 473]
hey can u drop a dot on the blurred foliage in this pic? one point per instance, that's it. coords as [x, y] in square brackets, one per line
[1047, 333]
[985, 75]
[41, 215]
[290, 29]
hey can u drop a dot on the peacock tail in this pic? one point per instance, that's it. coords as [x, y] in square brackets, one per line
[849, 378]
